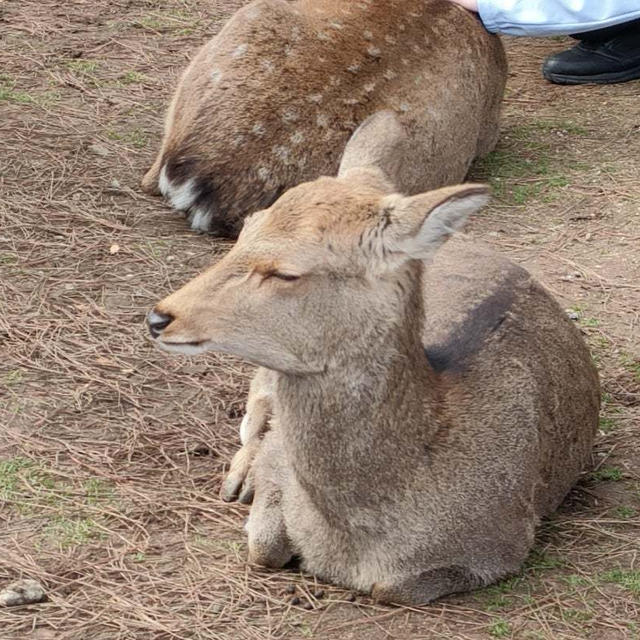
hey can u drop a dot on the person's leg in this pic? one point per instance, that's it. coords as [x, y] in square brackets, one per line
[601, 57]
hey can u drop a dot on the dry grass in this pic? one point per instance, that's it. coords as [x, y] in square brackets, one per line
[111, 453]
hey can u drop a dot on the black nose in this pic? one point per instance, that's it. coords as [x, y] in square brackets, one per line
[157, 322]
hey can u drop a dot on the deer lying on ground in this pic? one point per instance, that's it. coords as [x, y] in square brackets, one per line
[431, 401]
[272, 100]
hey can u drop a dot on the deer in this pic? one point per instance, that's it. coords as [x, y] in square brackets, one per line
[273, 98]
[421, 402]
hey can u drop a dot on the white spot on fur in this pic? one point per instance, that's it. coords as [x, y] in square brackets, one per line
[414, 14]
[369, 87]
[350, 101]
[325, 37]
[401, 27]
[200, 220]
[405, 62]
[216, 75]
[268, 65]
[322, 120]
[404, 107]
[354, 68]
[288, 50]
[389, 74]
[263, 173]
[238, 141]
[368, 35]
[295, 34]
[297, 137]
[315, 97]
[240, 50]
[181, 197]
[390, 39]
[282, 153]
[417, 49]
[336, 25]
[253, 12]
[258, 129]
[374, 52]
[290, 115]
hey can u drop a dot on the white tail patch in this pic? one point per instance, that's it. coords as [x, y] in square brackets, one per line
[200, 220]
[181, 196]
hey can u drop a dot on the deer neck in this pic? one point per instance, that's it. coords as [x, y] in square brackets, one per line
[357, 420]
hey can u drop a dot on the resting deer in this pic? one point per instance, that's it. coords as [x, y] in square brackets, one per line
[272, 100]
[431, 401]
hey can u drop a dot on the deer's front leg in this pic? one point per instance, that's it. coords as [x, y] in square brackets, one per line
[238, 483]
[269, 544]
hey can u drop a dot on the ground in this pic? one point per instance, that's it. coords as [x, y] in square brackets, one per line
[111, 453]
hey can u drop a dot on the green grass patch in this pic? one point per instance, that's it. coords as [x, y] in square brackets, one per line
[500, 629]
[625, 512]
[523, 167]
[541, 561]
[82, 66]
[12, 378]
[133, 77]
[71, 532]
[575, 580]
[607, 424]
[629, 580]
[607, 474]
[9, 93]
[134, 138]
[10, 476]
[576, 615]
[631, 364]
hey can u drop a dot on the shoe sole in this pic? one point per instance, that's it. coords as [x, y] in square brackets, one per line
[603, 78]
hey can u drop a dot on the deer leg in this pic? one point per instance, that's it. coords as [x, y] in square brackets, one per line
[269, 543]
[238, 483]
[426, 586]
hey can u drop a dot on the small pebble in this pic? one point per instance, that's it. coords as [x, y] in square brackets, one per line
[308, 606]
[319, 594]
[291, 588]
[295, 601]
[22, 592]
[351, 598]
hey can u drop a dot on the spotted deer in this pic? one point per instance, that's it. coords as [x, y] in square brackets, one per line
[272, 100]
[430, 400]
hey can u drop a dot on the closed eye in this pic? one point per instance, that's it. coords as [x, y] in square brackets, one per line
[287, 277]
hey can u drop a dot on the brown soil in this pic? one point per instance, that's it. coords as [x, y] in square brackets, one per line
[111, 453]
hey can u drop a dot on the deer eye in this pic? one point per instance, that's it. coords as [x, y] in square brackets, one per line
[287, 277]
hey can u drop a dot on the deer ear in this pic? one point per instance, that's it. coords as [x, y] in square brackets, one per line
[376, 150]
[416, 226]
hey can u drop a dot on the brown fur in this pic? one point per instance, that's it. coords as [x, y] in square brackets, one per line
[429, 406]
[272, 100]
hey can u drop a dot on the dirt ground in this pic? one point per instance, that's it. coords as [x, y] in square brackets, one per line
[111, 453]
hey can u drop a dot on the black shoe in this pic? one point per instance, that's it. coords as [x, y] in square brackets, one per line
[614, 60]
